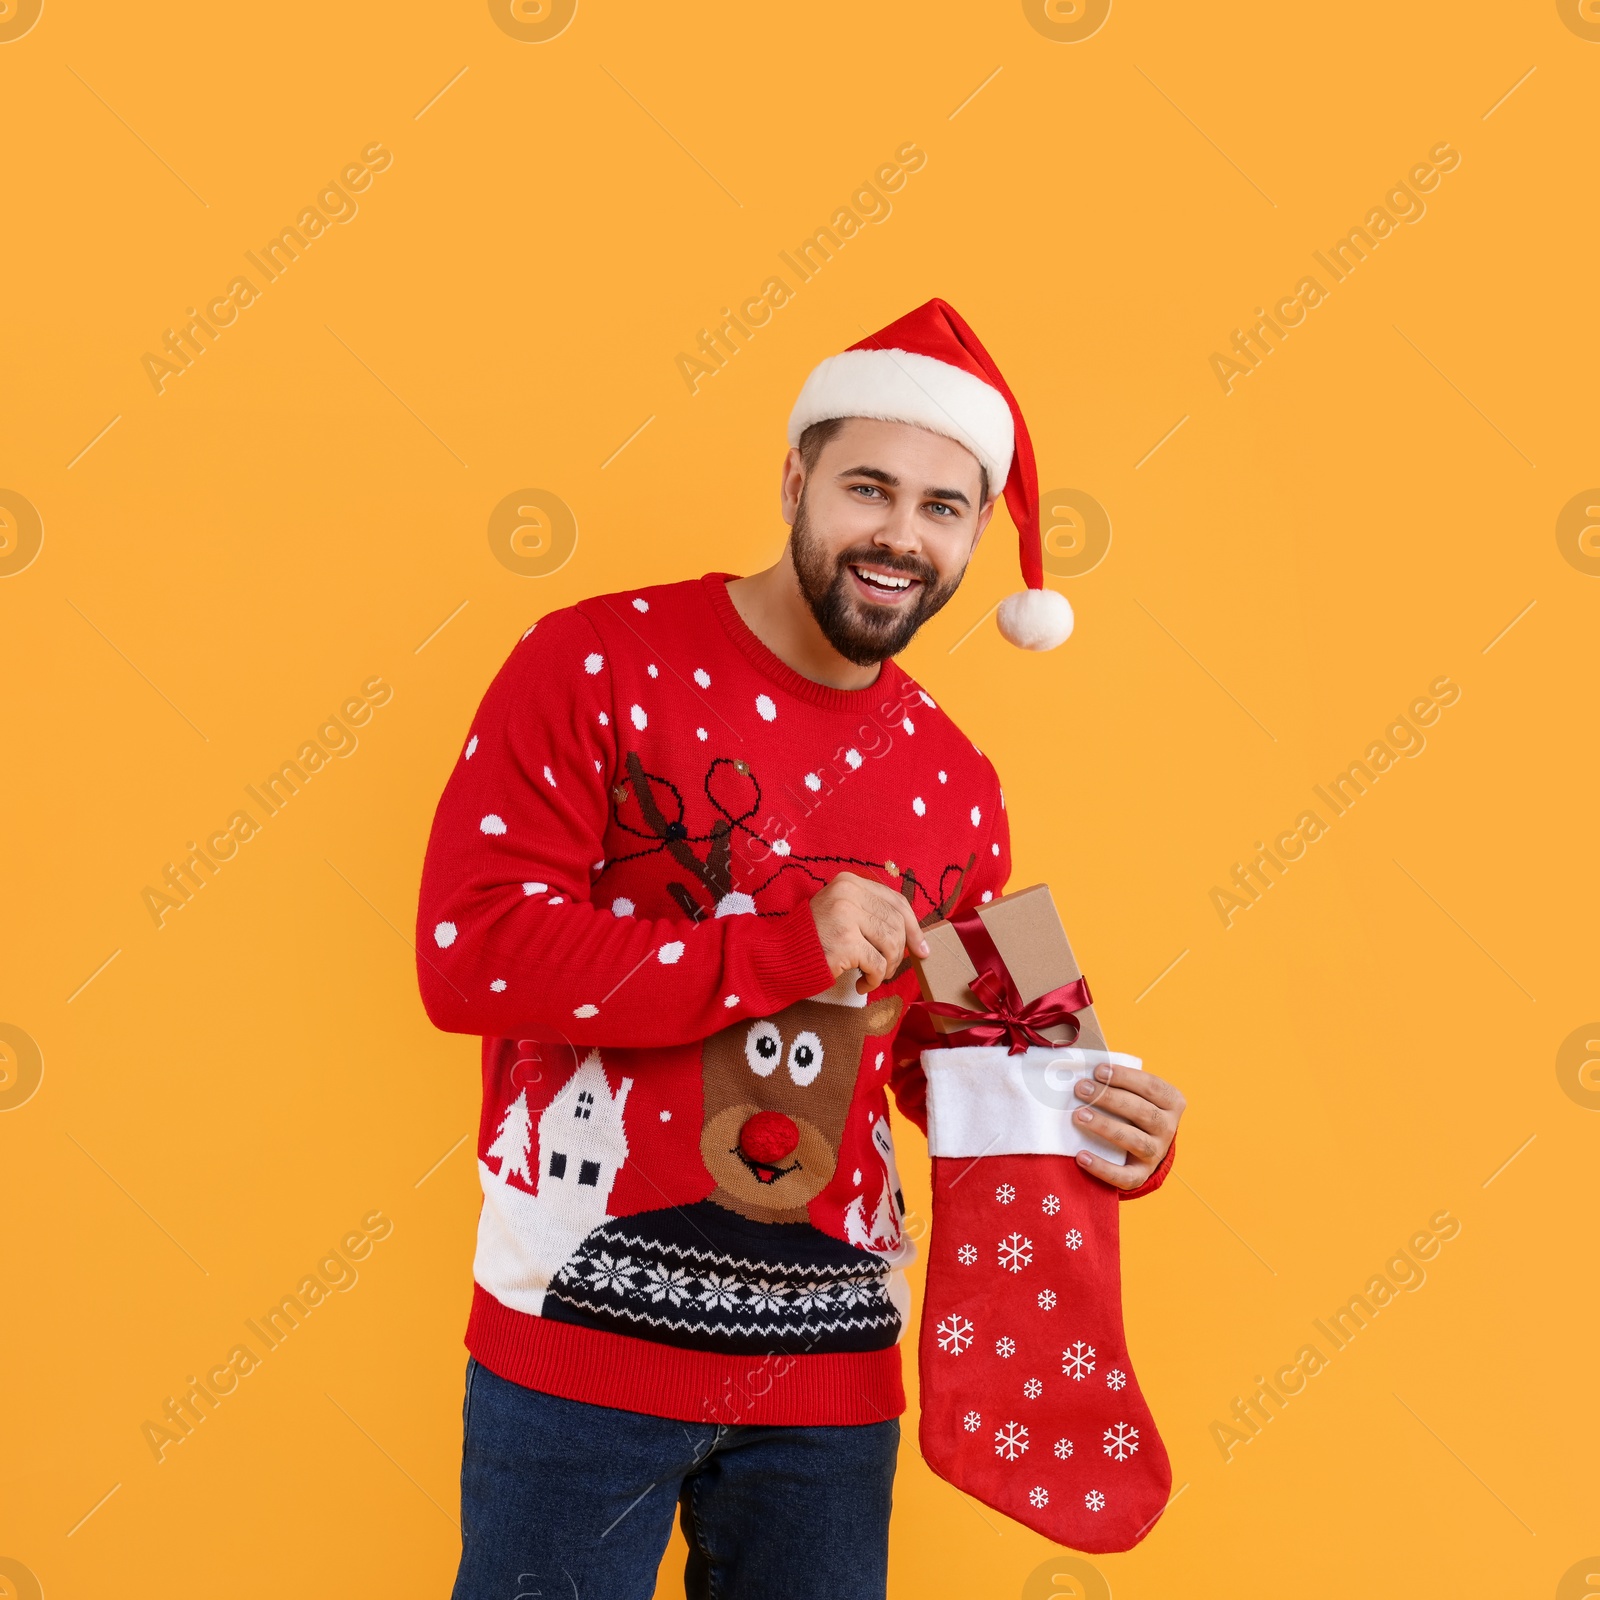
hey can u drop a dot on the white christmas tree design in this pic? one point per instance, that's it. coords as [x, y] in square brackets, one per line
[514, 1140]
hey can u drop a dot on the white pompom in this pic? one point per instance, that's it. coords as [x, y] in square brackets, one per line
[1035, 619]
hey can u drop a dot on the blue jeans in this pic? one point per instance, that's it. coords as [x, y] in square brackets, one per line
[566, 1501]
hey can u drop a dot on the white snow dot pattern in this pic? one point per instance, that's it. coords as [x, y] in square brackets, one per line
[813, 782]
[666, 1116]
[586, 1011]
[944, 777]
[766, 709]
[555, 900]
[492, 824]
[852, 759]
[920, 806]
[593, 662]
[653, 670]
[499, 985]
[908, 725]
[669, 954]
[550, 777]
[444, 934]
[640, 605]
[622, 906]
[534, 888]
[977, 816]
[730, 1001]
[701, 735]
[605, 721]
[702, 677]
[472, 746]
[640, 720]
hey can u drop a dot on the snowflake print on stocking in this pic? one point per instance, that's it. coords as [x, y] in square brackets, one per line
[1015, 1252]
[1078, 1362]
[972, 1422]
[1121, 1441]
[987, 1303]
[1011, 1441]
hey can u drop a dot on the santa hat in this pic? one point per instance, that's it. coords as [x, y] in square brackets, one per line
[929, 369]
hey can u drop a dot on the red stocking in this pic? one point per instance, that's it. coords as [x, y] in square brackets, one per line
[1029, 1399]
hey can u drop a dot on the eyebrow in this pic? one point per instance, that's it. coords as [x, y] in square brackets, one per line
[889, 481]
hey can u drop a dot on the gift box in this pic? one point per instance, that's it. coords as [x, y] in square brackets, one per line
[1027, 932]
[1003, 1060]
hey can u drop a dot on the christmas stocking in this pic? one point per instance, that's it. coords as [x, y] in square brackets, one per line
[1029, 1400]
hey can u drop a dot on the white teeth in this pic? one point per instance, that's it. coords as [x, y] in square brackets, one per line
[881, 580]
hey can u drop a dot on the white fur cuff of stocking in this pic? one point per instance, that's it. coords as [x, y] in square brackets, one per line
[986, 1102]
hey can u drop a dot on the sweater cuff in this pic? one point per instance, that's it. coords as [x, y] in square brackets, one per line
[1156, 1178]
[789, 962]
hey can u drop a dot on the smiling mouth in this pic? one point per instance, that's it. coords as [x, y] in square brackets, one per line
[762, 1172]
[884, 586]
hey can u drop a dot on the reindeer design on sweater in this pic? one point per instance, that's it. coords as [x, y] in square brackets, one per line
[744, 1269]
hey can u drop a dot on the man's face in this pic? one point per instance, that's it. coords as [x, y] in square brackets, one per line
[883, 526]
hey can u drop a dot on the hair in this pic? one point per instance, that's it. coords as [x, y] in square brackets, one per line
[818, 434]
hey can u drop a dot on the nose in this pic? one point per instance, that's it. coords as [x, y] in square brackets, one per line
[768, 1137]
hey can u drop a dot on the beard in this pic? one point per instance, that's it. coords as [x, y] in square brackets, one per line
[862, 633]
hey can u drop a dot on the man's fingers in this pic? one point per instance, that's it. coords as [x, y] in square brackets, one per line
[915, 940]
[1135, 1108]
[1139, 1082]
[1128, 1176]
[871, 962]
[1140, 1145]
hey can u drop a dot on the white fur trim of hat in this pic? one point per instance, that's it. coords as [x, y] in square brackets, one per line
[903, 386]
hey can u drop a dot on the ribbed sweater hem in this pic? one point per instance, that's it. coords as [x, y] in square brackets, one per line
[610, 1369]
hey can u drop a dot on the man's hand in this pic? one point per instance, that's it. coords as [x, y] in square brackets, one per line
[866, 924]
[1134, 1110]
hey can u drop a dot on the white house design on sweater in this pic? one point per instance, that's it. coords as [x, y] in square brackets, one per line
[523, 1238]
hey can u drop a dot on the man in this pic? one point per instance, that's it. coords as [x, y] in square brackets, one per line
[691, 838]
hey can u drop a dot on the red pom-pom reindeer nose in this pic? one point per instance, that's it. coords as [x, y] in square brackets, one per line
[768, 1137]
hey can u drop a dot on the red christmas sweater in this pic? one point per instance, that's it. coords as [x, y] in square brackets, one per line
[690, 1200]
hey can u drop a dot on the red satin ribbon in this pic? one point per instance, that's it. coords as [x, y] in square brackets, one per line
[1005, 1017]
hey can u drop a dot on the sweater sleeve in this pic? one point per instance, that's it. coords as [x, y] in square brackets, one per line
[1156, 1178]
[508, 939]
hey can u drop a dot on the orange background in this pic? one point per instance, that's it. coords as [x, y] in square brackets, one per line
[308, 505]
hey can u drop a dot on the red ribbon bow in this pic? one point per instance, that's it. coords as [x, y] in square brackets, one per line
[1004, 1015]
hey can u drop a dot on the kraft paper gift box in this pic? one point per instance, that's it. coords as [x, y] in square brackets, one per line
[982, 1096]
